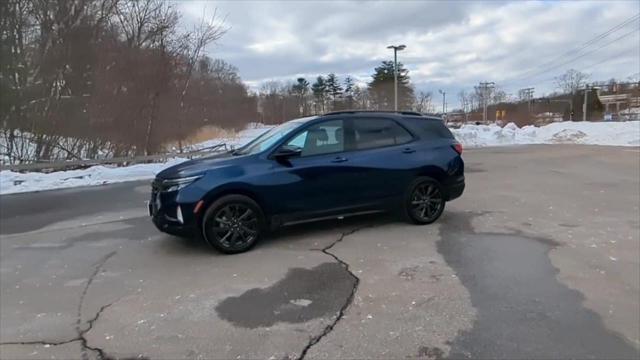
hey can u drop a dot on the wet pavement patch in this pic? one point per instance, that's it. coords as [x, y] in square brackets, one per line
[522, 309]
[302, 295]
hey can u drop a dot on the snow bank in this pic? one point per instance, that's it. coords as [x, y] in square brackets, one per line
[601, 133]
[14, 182]
[590, 133]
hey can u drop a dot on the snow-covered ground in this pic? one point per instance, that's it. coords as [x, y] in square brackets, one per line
[600, 133]
[15, 182]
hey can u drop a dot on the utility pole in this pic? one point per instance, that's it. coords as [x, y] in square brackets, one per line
[528, 95]
[395, 72]
[485, 90]
[584, 104]
[444, 101]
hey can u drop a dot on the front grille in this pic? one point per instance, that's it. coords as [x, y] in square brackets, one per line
[156, 187]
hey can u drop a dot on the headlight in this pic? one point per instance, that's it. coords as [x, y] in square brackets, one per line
[177, 184]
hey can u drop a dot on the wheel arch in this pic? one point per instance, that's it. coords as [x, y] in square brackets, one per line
[216, 194]
[433, 172]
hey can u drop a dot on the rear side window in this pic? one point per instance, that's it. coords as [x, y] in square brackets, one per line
[430, 129]
[375, 133]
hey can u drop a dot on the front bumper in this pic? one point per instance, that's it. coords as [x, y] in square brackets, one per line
[163, 210]
[174, 228]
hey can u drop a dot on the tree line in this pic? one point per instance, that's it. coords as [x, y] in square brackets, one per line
[92, 78]
[279, 101]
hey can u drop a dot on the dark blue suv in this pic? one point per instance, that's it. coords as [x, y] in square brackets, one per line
[328, 166]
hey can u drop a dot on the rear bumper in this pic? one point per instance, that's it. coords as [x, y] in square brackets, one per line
[455, 188]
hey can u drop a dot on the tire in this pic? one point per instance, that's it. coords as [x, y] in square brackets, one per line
[233, 224]
[424, 201]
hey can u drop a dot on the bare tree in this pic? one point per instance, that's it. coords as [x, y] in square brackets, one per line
[209, 30]
[466, 103]
[571, 81]
[423, 102]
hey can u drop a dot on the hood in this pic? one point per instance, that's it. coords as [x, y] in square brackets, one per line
[197, 166]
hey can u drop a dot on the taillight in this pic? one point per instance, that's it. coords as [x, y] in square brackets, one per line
[458, 148]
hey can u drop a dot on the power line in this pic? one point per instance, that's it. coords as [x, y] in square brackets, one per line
[587, 44]
[590, 52]
[575, 58]
[624, 52]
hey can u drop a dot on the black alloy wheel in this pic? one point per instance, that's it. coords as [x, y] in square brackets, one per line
[425, 202]
[233, 224]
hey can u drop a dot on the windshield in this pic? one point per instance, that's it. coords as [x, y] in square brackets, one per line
[267, 139]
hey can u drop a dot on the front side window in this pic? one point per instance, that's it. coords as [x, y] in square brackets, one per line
[323, 138]
[375, 133]
[267, 139]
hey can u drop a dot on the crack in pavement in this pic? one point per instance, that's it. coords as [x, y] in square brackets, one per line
[81, 337]
[81, 333]
[89, 323]
[41, 342]
[316, 339]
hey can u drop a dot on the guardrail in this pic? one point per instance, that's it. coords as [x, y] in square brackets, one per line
[77, 164]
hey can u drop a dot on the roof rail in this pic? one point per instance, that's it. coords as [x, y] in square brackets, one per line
[373, 111]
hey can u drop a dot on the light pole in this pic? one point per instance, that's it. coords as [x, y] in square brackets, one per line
[395, 72]
[444, 98]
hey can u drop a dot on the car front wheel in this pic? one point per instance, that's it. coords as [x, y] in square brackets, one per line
[424, 202]
[233, 224]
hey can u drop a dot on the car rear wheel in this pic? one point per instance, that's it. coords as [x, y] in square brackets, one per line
[233, 224]
[424, 201]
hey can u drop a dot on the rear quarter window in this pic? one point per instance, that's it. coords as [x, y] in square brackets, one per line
[377, 132]
[430, 129]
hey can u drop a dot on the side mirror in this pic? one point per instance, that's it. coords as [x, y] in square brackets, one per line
[286, 152]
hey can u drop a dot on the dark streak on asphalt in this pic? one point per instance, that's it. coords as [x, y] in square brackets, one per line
[356, 281]
[302, 295]
[330, 287]
[522, 309]
[39, 209]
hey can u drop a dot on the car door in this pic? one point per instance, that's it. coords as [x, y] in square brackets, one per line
[321, 179]
[384, 158]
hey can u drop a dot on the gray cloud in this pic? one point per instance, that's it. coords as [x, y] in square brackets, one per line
[450, 45]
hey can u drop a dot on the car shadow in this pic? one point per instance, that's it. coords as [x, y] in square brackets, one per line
[329, 227]
[283, 236]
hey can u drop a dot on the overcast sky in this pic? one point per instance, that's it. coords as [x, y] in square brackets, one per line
[451, 45]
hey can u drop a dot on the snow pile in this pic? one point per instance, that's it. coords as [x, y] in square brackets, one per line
[14, 182]
[590, 133]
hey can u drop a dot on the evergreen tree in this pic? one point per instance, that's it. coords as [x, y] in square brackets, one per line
[319, 89]
[334, 89]
[349, 87]
[300, 90]
[381, 87]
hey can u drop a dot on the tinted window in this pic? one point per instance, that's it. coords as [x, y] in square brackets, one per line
[323, 138]
[267, 139]
[373, 133]
[430, 129]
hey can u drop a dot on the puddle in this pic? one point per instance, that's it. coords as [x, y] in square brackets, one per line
[522, 309]
[302, 295]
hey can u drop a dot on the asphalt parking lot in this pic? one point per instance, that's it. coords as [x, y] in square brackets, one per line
[540, 258]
